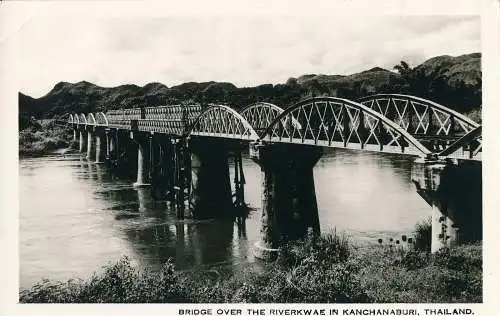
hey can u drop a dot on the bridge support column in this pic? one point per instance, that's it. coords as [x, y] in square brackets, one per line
[89, 145]
[211, 194]
[81, 144]
[142, 159]
[453, 190]
[289, 207]
[108, 146]
[239, 181]
[98, 149]
[74, 135]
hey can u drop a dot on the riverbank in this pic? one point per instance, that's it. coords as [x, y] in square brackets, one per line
[325, 269]
[43, 137]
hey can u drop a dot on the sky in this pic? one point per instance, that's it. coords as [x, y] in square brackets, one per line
[45, 48]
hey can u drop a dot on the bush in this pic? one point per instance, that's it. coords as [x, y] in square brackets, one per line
[321, 250]
[423, 235]
[119, 283]
[316, 270]
[41, 138]
[413, 260]
[448, 276]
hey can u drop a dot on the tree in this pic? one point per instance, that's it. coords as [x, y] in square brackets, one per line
[403, 69]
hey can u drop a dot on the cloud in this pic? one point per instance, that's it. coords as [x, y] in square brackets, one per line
[246, 51]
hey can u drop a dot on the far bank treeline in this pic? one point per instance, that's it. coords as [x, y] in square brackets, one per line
[452, 81]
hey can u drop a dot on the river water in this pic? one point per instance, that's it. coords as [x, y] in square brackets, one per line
[75, 216]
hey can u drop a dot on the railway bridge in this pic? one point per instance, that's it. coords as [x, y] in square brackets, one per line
[182, 151]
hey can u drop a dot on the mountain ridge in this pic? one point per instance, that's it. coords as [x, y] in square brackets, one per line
[452, 81]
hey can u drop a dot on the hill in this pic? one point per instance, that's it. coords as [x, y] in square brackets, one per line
[451, 81]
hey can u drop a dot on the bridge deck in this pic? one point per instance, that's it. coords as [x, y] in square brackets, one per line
[416, 126]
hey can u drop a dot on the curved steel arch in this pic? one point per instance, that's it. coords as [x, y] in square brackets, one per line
[335, 122]
[91, 119]
[70, 119]
[261, 114]
[222, 121]
[82, 119]
[101, 119]
[419, 116]
[468, 147]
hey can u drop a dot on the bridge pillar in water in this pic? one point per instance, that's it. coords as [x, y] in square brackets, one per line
[81, 143]
[99, 144]
[453, 189]
[289, 207]
[211, 194]
[90, 143]
[74, 134]
[142, 142]
[108, 145]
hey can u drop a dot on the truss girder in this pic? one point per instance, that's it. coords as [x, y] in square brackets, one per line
[82, 119]
[418, 116]
[222, 121]
[101, 119]
[261, 114]
[335, 122]
[467, 147]
[90, 119]
[173, 112]
[120, 119]
[169, 127]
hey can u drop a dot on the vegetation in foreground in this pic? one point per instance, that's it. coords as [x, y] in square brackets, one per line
[318, 269]
[38, 138]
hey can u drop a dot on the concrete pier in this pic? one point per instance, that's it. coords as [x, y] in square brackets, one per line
[81, 144]
[453, 190]
[210, 181]
[142, 160]
[98, 149]
[90, 143]
[289, 207]
[108, 146]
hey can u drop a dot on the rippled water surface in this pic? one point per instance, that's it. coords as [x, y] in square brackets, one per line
[75, 216]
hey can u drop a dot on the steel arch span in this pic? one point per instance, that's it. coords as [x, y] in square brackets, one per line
[82, 119]
[101, 119]
[261, 114]
[70, 119]
[470, 146]
[420, 117]
[222, 121]
[91, 119]
[341, 123]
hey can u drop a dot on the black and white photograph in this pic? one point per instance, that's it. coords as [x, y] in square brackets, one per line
[253, 157]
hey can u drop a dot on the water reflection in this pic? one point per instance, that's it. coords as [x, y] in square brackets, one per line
[75, 215]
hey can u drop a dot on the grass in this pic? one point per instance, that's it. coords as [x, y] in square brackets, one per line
[41, 138]
[317, 269]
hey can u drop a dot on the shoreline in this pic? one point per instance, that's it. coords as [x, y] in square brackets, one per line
[314, 270]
